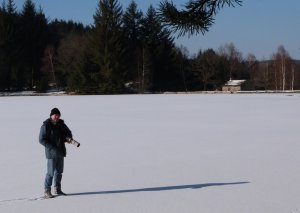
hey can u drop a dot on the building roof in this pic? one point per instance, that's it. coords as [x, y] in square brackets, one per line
[234, 82]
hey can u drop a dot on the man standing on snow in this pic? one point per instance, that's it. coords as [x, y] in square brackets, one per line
[53, 134]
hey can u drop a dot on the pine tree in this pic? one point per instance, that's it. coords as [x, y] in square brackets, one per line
[84, 79]
[107, 46]
[159, 44]
[132, 20]
[11, 7]
[34, 40]
[9, 48]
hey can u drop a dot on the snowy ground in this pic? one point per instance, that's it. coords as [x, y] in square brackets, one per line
[157, 154]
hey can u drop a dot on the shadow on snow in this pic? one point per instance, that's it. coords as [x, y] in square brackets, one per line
[155, 189]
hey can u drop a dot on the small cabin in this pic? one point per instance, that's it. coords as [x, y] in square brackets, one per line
[233, 85]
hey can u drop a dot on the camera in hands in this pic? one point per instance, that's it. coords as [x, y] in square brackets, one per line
[72, 141]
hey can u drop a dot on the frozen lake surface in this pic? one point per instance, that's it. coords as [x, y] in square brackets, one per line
[157, 154]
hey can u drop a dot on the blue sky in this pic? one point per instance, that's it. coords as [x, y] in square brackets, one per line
[257, 27]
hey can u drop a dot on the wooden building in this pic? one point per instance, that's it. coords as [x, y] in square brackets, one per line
[233, 85]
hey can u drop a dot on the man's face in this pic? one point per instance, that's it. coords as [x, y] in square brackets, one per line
[55, 117]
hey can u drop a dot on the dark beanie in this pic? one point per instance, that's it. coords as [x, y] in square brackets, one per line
[54, 111]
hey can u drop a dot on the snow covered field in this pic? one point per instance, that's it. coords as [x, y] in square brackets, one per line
[157, 154]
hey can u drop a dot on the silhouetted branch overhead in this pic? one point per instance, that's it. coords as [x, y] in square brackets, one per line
[195, 17]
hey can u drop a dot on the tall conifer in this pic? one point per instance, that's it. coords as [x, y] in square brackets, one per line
[9, 49]
[158, 43]
[108, 46]
[34, 40]
[132, 30]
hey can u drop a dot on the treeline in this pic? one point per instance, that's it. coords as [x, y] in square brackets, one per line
[122, 52]
[26, 39]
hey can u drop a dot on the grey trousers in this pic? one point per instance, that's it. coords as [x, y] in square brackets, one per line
[55, 168]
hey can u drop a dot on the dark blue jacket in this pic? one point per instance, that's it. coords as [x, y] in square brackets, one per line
[53, 137]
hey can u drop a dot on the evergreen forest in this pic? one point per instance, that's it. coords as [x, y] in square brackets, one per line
[123, 51]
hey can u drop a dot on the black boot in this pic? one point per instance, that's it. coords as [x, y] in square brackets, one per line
[58, 191]
[48, 194]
